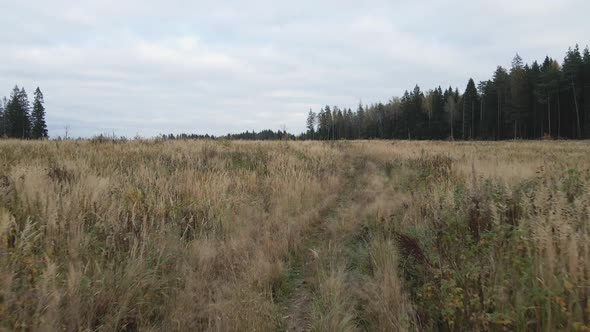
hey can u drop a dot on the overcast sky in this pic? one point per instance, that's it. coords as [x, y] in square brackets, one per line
[150, 67]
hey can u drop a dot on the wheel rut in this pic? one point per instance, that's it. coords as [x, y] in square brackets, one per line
[303, 267]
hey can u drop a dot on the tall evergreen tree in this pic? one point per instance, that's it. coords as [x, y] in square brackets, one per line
[439, 121]
[339, 124]
[13, 114]
[547, 89]
[486, 108]
[428, 106]
[536, 118]
[326, 126]
[349, 124]
[502, 87]
[573, 80]
[469, 110]
[360, 121]
[17, 114]
[517, 115]
[451, 109]
[25, 114]
[39, 129]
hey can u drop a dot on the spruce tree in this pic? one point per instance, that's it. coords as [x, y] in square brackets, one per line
[13, 114]
[39, 129]
[573, 81]
[549, 88]
[450, 108]
[17, 114]
[311, 121]
[322, 125]
[517, 114]
[469, 113]
[25, 115]
[360, 121]
[534, 75]
[502, 87]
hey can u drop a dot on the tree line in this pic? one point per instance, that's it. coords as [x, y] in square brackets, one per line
[263, 135]
[19, 120]
[546, 99]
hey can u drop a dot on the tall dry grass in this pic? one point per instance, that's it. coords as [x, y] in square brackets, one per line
[240, 236]
[503, 229]
[151, 234]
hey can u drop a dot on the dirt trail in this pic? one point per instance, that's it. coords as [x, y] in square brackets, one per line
[298, 307]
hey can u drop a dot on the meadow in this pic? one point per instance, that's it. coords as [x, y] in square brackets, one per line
[150, 235]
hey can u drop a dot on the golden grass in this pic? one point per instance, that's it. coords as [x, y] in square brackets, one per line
[217, 235]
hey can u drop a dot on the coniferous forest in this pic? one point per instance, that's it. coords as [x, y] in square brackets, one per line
[19, 120]
[527, 101]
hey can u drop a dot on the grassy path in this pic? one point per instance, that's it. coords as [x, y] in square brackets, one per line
[307, 266]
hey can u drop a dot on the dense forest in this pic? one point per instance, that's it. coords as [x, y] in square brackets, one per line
[19, 120]
[526, 101]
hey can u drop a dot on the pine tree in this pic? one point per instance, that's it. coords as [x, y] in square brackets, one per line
[360, 121]
[450, 108]
[547, 91]
[501, 85]
[339, 125]
[517, 114]
[572, 72]
[13, 114]
[311, 121]
[349, 124]
[328, 123]
[469, 113]
[324, 123]
[428, 106]
[486, 108]
[533, 77]
[439, 119]
[39, 129]
[25, 115]
[17, 114]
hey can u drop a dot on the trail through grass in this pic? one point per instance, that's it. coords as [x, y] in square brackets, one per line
[305, 265]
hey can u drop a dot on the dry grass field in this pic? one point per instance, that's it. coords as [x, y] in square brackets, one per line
[294, 236]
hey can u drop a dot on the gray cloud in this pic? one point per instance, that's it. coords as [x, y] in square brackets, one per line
[202, 66]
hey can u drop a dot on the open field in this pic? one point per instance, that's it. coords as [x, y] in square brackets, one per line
[332, 236]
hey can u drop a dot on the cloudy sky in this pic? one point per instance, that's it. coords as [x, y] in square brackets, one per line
[150, 67]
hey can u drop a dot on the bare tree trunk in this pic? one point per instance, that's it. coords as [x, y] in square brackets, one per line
[549, 112]
[534, 118]
[463, 122]
[472, 119]
[481, 116]
[498, 121]
[452, 120]
[579, 132]
[558, 113]
[515, 125]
